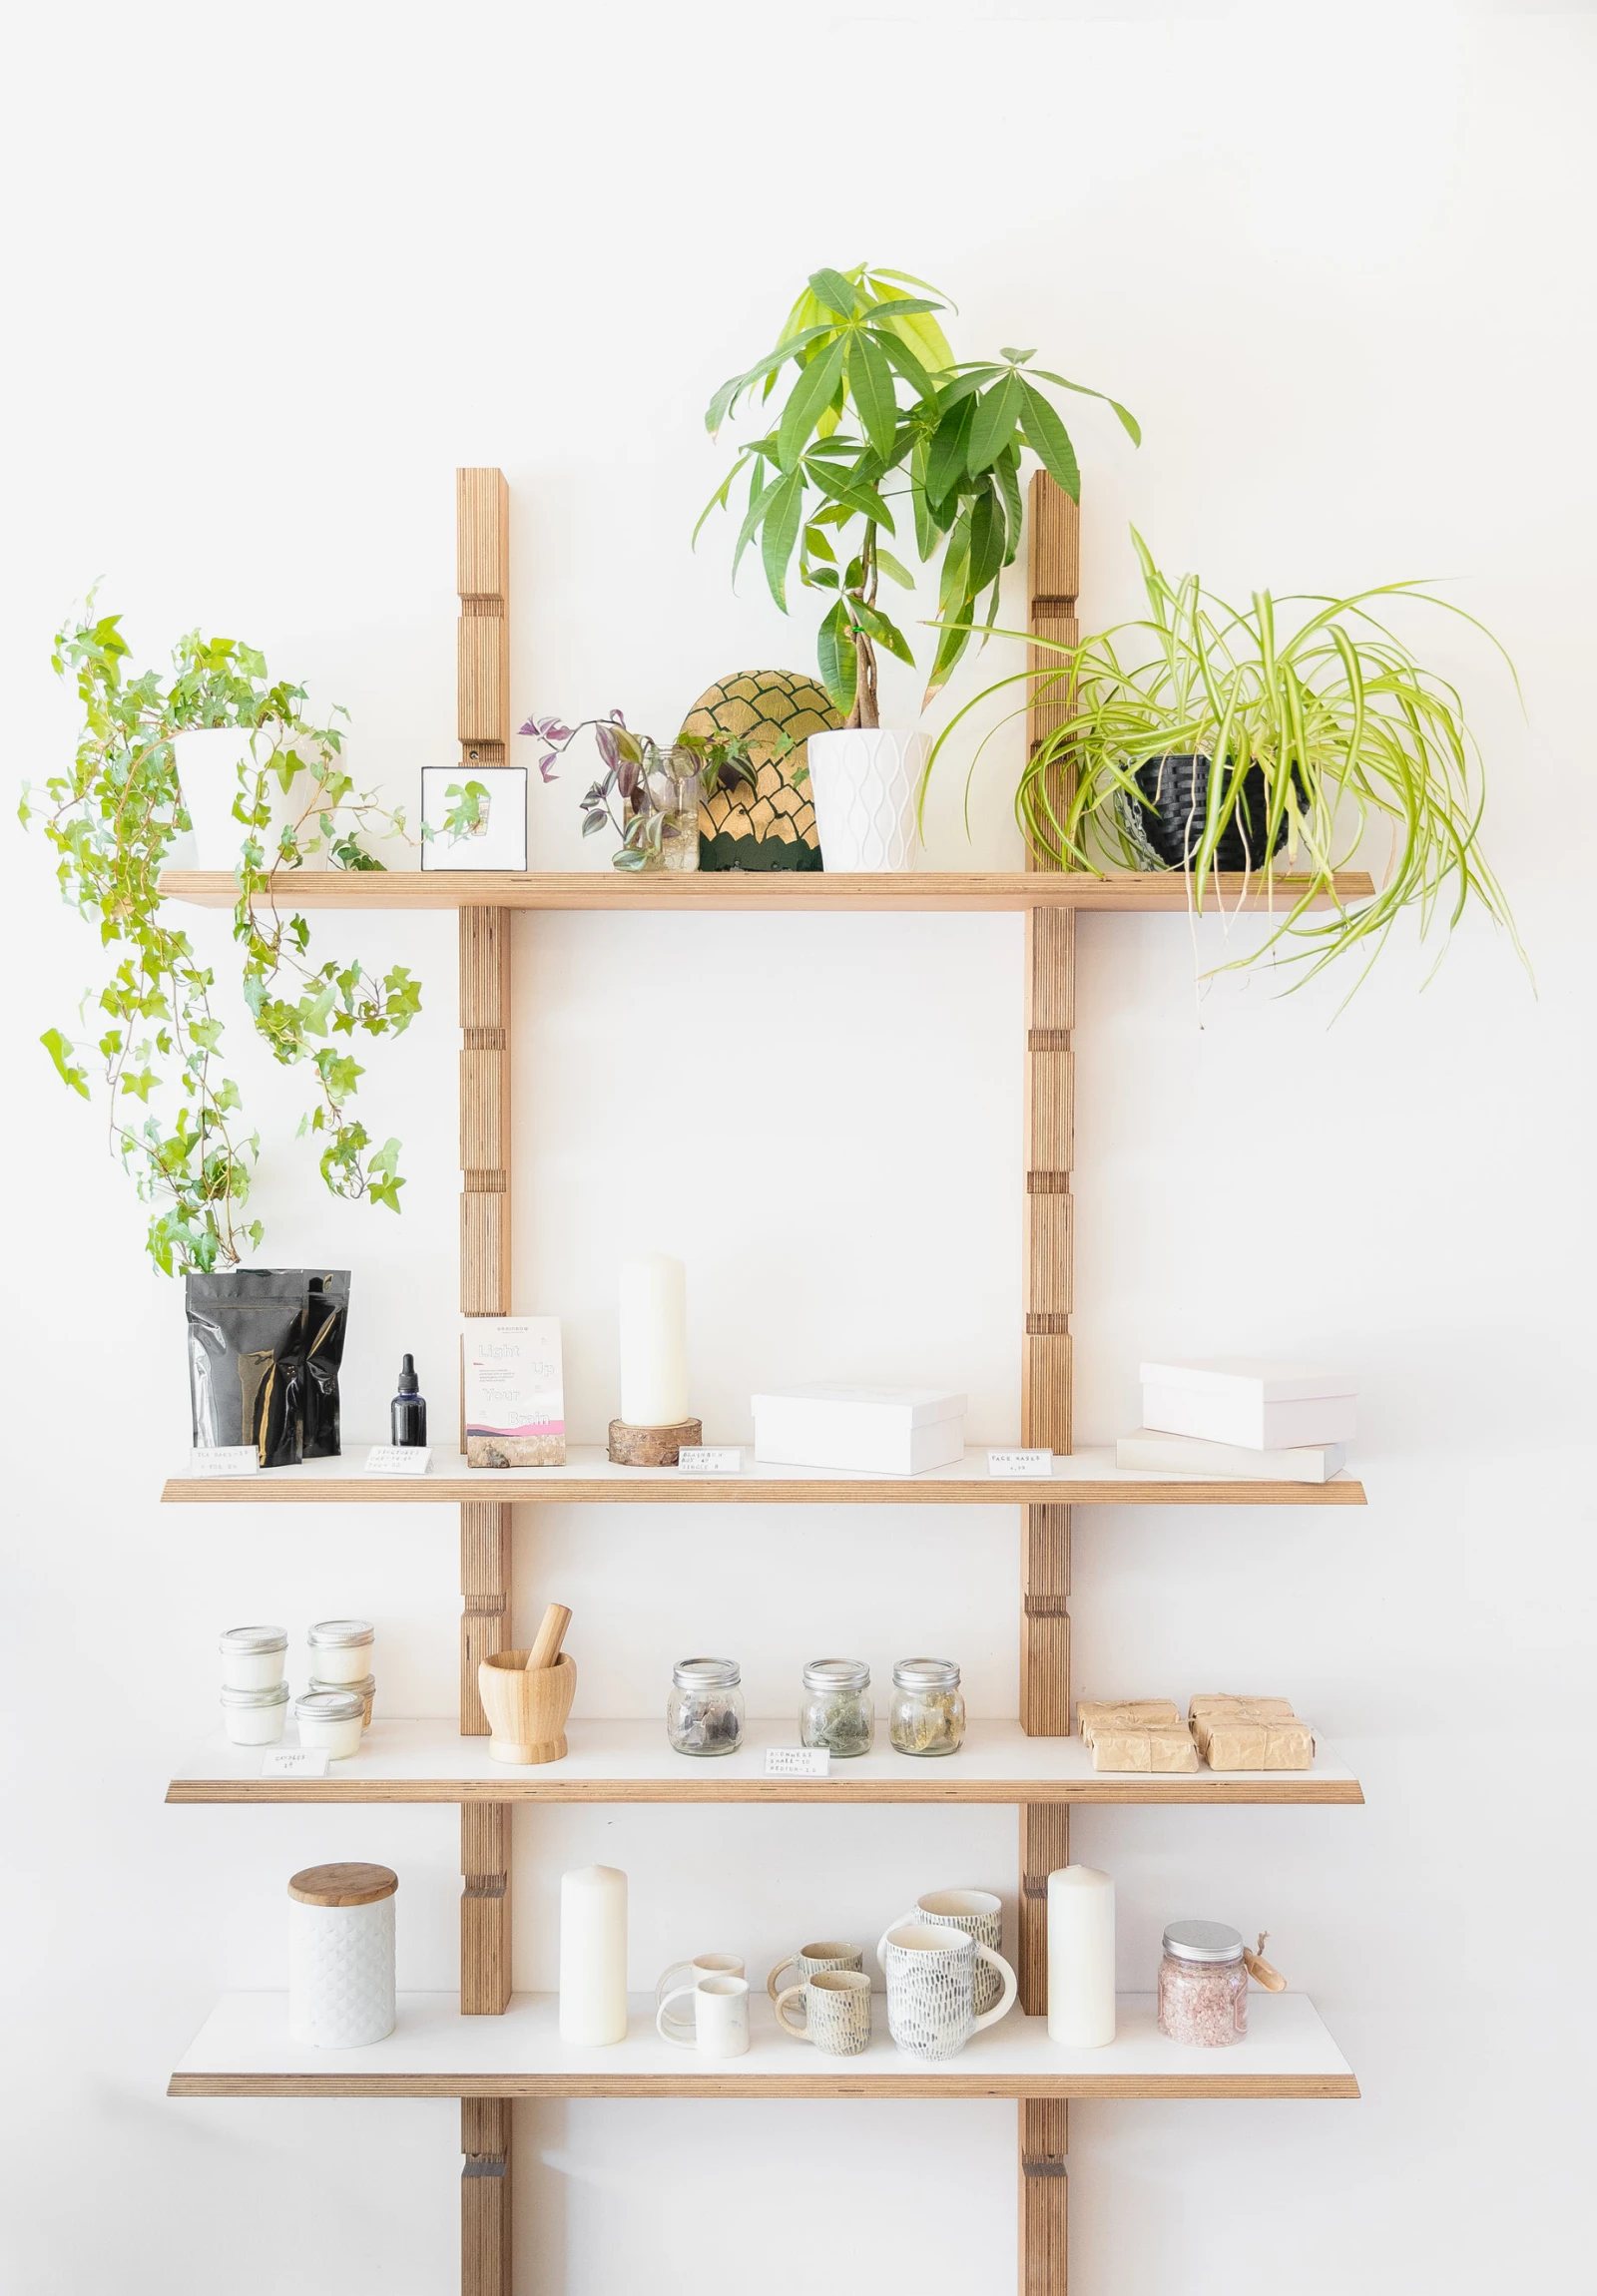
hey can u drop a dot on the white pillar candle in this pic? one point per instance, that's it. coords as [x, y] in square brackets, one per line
[654, 1341]
[1081, 1958]
[593, 1955]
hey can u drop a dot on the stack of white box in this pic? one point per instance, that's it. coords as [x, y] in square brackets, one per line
[860, 1430]
[1232, 1418]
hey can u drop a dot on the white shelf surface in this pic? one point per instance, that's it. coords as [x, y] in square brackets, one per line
[1082, 1478]
[244, 2050]
[630, 1761]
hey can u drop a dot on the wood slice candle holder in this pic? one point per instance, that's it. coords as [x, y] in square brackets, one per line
[651, 1445]
[526, 1705]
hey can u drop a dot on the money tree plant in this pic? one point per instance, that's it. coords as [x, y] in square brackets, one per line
[174, 1117]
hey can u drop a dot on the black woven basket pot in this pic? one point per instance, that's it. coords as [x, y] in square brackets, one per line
[1177, 789]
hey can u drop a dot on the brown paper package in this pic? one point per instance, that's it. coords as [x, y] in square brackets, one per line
[1251, 1733]
[1161, 1748]
[1093, 1714]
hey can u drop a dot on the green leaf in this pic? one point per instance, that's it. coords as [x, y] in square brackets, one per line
[761, 499]
[895, 571]
[832, 291]
[950, 445]
[870, 380]
[875, 625]
[988, 536]
[993, 423]
[56, 1045]
[783, 518]
[1049, 440]
[840, 664]
[806, 400]
[1128, 421]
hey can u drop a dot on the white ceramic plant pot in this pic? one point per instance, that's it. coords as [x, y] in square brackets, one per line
[207, 761]
[864, 783]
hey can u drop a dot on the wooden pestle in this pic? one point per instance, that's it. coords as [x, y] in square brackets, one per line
[551, 1633]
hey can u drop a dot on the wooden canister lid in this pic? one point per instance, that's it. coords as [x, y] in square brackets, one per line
[343, 1885]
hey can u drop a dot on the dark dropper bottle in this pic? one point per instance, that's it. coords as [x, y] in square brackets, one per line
[407, 1413]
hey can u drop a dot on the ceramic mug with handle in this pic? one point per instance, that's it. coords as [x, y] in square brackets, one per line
[688, 1973]
[719, 2010]
[931, 1987]
[810, 1960]
[836, 2010]
[981, 1916]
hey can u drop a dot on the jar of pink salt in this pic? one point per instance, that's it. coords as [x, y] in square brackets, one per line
[1203, 1984]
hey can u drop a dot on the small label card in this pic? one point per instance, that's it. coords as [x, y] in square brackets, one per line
[398, 1459]
[295, 1762]
[227, 1459]
[798, 1762]
[711, 1459]
[1020, 1463]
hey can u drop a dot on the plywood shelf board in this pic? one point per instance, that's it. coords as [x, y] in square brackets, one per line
[776, 892]
[630, 1761]
[1083, 1479]
[244, 2050]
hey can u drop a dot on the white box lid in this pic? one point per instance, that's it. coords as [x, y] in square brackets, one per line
[1243, 1375]
[918, 1405]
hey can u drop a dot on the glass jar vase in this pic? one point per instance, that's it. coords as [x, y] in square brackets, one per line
[671, 784]
[703, 1713]
[838, 1712]
[927, 1715]
[1203, 1984]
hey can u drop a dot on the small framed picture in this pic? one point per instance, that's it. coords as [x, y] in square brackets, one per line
[474, 818]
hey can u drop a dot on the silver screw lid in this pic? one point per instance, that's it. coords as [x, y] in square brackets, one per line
[277, 1695]
[707, 1673]
[1203, 1941]
[330, 1706]
[365, 1690]
[837, 1674]
[927, 1674]
[252, 1641]
[341, 1635]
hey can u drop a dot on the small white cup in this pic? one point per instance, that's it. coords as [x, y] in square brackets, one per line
[720, 2016]
[688, 1973]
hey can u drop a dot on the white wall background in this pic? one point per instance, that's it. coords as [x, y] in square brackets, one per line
[272, 274]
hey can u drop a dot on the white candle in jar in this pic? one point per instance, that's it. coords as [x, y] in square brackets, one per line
[1081, 1958]
[593, 1955]
[654, 1341]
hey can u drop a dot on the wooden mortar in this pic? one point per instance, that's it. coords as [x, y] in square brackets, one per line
[526, 1707]
[651, 1445]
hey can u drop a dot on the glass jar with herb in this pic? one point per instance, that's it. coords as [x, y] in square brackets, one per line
[927, 1715]
[838, 1712]
[670, 785]
[703, 1713]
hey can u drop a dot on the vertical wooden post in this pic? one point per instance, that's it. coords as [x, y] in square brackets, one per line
[482, 532]
[1045, 1402]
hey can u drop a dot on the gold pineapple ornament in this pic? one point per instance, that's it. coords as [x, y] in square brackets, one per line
[772, 714]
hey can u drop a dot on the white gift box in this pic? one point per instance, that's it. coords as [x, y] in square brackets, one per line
[1262, 1406]
[1147, 1453]
[860, 1430]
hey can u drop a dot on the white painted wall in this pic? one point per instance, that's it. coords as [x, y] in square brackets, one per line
[274, 274]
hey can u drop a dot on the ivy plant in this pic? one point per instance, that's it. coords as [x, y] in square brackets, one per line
[881, 425]
[175, 1117]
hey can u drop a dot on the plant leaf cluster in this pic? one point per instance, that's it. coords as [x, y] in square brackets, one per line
[1341, 720]
[175, 1117]
[880, 428]
[633, 776]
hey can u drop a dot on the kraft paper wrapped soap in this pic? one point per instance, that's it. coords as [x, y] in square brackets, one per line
[1236, 1733]
[1125, 1712]
[1146, 1734]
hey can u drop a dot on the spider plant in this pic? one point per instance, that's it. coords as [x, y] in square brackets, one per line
[1319, 713]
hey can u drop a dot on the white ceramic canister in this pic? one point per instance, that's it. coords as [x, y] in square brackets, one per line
[252, 1657]
[254, 1717]
[366, 1691]
[340, 1649]
[341, 1956]
[332, 1719]
[865, 782]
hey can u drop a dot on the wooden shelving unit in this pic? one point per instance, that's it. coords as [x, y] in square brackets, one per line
[630, 1761]
[487, 2046]
[1079, 1479]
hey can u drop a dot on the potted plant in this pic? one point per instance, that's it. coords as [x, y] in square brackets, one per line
[1323, 723]
[646, 794]
[175, 1121]
[881, 425]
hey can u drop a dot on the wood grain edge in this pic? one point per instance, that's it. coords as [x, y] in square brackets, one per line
[1206, 2087]
[709, 1491]
[1172, 1793]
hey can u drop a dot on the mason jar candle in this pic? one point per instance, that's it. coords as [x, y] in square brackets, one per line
[838, 1712]
[340, 1649]
[703, 1713]
[366, 1691]
[1203, 1984]
[341, 1956]
[254, 1717]
[927, 1715]
[251, 1657]
[331, 1720]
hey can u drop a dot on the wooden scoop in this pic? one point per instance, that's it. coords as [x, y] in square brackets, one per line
[1259, 1970]
[551, 1633]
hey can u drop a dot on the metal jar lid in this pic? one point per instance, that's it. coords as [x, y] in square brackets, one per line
[277, 1695]
[341, 1635]
[707, 1673]
[1203, 1941]
[252, 1641]
[330, 1707]
[364, 1689]
[927, 1674]
[837, 1674]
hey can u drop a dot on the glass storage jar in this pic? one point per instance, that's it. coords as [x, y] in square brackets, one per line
[1203, 1984]
[927, 1715]
[332, 1719]
[251, 1657]
[838, 1712]
[254, 1717]
[340, 1649]
[670, 785]
[703, 1713]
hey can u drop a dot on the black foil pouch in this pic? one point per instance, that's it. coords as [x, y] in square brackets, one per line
[327, 1315]
[247, 1336]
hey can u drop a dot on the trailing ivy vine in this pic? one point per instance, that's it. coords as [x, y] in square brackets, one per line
[175, 1117]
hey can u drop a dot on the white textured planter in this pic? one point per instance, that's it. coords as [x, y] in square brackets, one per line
[208, 774]
[864, 783]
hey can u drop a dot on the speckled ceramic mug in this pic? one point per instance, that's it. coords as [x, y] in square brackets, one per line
[836, 2010]
[981, 1916]
[931, 1975]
